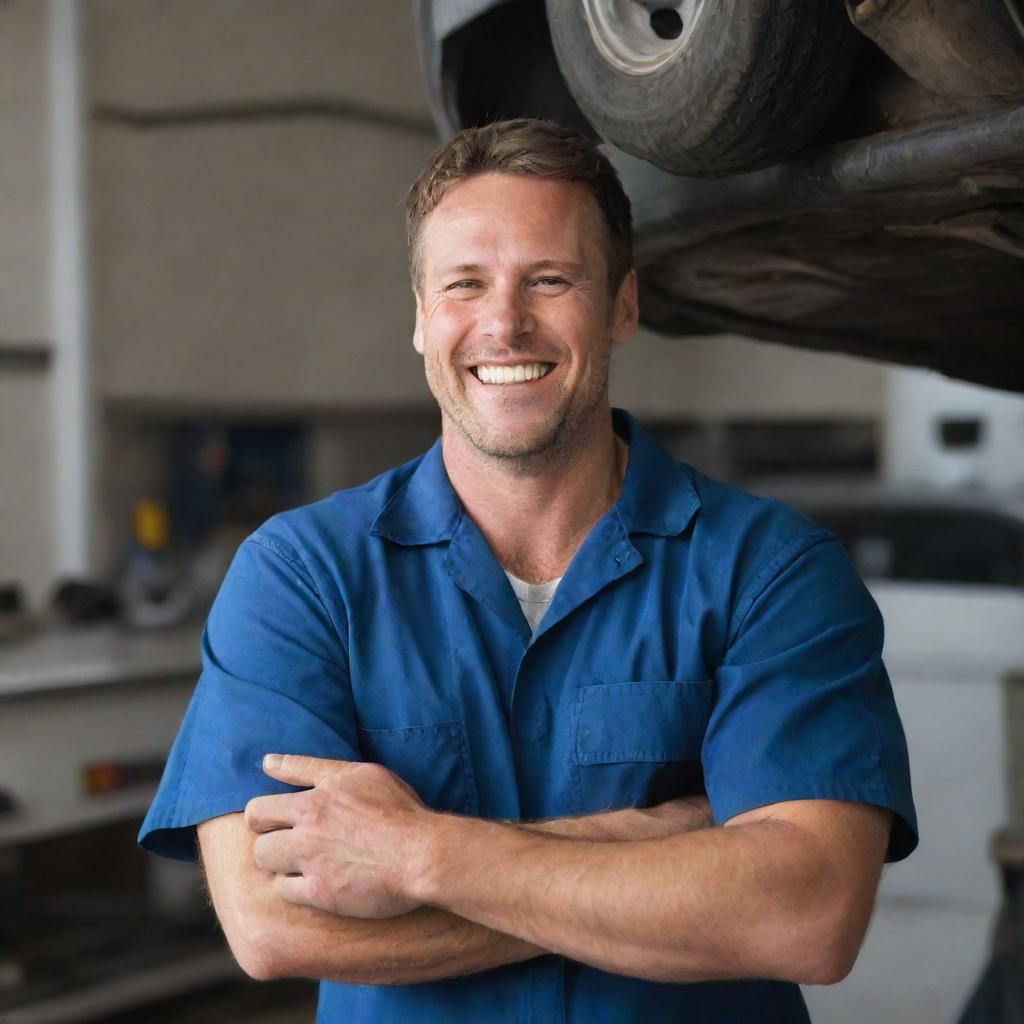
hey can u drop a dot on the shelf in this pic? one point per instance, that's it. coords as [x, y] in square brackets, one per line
[133, 989]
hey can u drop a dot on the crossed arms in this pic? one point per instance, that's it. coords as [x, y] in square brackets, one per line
[273, 938]
[354, 880]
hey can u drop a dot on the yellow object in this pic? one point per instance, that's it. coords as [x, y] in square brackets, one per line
[152, 525]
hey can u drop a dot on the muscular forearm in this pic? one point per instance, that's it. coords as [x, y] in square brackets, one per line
[272, 938]
[759, 900]
[427, 944]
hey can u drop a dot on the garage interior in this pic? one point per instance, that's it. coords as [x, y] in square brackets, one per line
[205, 317]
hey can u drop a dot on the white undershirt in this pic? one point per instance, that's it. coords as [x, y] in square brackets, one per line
[533, 598]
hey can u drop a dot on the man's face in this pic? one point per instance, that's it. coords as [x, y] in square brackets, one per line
[514, 284]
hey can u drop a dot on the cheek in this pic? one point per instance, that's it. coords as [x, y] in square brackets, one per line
[587, 336]
[445, 327]
[584, 316]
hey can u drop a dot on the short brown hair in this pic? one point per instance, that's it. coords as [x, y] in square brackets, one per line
[531, 148]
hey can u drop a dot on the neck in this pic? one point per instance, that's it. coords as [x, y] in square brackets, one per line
[534, 517]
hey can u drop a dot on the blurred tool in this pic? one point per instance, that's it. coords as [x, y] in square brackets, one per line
[80, 602]
[152, 591]
[14, 620]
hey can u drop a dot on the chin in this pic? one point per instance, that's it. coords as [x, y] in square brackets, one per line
[516, 446]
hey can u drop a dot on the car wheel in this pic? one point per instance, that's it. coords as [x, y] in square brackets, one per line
[705, 87]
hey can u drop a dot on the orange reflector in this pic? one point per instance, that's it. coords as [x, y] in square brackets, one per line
[102, 777]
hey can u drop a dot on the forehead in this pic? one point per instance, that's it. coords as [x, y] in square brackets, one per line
[512, 217]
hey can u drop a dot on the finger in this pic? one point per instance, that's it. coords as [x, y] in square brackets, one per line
[299, 769]
[294, 889]
[277, 852]
[264, 813]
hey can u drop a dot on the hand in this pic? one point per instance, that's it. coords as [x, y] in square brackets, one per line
[684, 814]
[348, 844]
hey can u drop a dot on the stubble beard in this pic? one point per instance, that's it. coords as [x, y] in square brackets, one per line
[564, 432]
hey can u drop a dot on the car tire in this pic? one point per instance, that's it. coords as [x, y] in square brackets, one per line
[744, 84]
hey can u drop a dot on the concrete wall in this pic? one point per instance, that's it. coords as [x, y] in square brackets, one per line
[255, 264]
[26, 496]
[725, 377]
[249, 161]
[26, 519]
[179, 54]
[24, 186]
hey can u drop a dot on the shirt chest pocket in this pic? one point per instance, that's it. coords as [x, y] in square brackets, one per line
[636, 744]
[433, 759]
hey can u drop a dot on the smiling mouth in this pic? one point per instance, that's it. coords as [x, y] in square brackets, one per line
[521, 373]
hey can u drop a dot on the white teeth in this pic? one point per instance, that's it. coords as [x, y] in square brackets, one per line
[512, 374]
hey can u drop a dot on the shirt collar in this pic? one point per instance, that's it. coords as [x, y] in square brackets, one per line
[657, 497]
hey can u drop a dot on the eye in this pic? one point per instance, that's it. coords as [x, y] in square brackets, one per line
[464, 285]
[550, 282]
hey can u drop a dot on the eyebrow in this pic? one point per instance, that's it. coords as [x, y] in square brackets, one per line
[576, 268]
[461, 268]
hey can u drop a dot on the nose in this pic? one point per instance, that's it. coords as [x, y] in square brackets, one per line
[506, 317]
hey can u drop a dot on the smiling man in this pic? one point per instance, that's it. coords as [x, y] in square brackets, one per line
[573, 727]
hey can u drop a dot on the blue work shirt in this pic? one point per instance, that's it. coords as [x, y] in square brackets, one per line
[701, 637]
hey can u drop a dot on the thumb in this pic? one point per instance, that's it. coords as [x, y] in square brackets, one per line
[299, 769]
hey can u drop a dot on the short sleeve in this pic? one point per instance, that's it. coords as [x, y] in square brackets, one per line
[804, 708]
[274, 679]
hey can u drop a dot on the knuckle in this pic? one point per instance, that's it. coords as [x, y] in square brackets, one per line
[320, 892]
[252, 811]
[377, 774]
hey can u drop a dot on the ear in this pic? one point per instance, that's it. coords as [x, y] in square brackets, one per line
[626, 314]
[417, 333]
